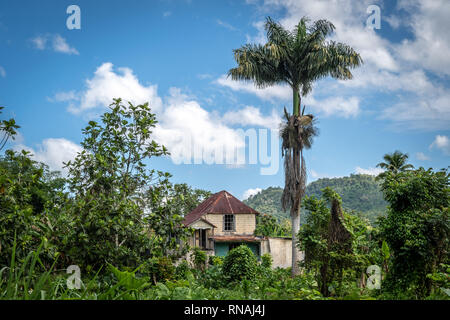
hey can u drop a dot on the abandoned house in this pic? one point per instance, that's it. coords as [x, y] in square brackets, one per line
[222, 222]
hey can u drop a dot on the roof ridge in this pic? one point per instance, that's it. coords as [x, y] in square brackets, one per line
[221, 202]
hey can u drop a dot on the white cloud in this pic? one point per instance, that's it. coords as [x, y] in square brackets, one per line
[64, 96]
[106, 84]
[53, 152]
[252, 116]
[226, 25]
[430, 24]
[184, 126]
[2, 72]
[421, 101]
[339, 106]
[58, 43]
[393, 21]
[250, 192]
[273, 93]
[316, 175]
[39, 42]
[442, 143]
[369, 171]
[422, 156]
[260, 37]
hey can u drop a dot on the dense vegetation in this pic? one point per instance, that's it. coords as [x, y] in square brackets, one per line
[115, 224]
[120, 224]
[360, 193]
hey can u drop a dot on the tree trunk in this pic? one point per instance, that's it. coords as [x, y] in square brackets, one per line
[296, 102]
[295, 210]
[295, 228]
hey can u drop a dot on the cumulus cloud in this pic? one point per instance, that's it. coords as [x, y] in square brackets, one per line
[338, 106]
[442, 143]
[250, 192]
[191, 132]
[188, 130]
[422, 156]
[369, 171]
[57, 43]
[53, 152]
[251, 116]
[273, 93]
[431, 43]
[107, 84]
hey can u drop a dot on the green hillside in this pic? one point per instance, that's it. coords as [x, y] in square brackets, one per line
[359, 192]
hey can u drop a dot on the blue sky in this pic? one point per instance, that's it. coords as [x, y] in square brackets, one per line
[175, 54]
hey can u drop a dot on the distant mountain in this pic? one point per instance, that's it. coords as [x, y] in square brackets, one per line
[359, 192]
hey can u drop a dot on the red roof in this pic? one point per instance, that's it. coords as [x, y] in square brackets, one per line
[220, 202]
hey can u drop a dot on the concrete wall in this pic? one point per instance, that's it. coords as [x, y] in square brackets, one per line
[244, 223]
[281, 251]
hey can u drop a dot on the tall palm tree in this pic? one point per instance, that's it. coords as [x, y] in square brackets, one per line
[297, 58]
[395, 162]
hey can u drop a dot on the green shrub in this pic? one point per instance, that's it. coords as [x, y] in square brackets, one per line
[266, 260]
[213, 277]
[161, 269]
[215, 260]
[182, 270]
[240, 263]
[199, 258]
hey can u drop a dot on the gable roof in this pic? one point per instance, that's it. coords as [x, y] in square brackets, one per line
[221, 202]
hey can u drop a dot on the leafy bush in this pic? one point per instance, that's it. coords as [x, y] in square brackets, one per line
[161, 269]
[215, 260]
[416, 229]
[266, 260]
[240, 263]
[199, 258]
[182, 270]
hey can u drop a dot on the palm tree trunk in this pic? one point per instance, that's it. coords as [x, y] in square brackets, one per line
[296, 101]
[295, 210]
[295, 228]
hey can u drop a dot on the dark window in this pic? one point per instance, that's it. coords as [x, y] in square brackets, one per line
[203, 238]
[231, 246]
[228, 223]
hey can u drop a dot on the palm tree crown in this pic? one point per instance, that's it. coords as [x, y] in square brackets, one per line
[395, 162]
[298, 58]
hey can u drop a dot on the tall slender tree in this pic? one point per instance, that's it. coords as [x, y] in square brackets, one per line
[296, 58]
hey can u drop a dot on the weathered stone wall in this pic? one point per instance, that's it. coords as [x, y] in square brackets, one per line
[244, 223]
[281, 251]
